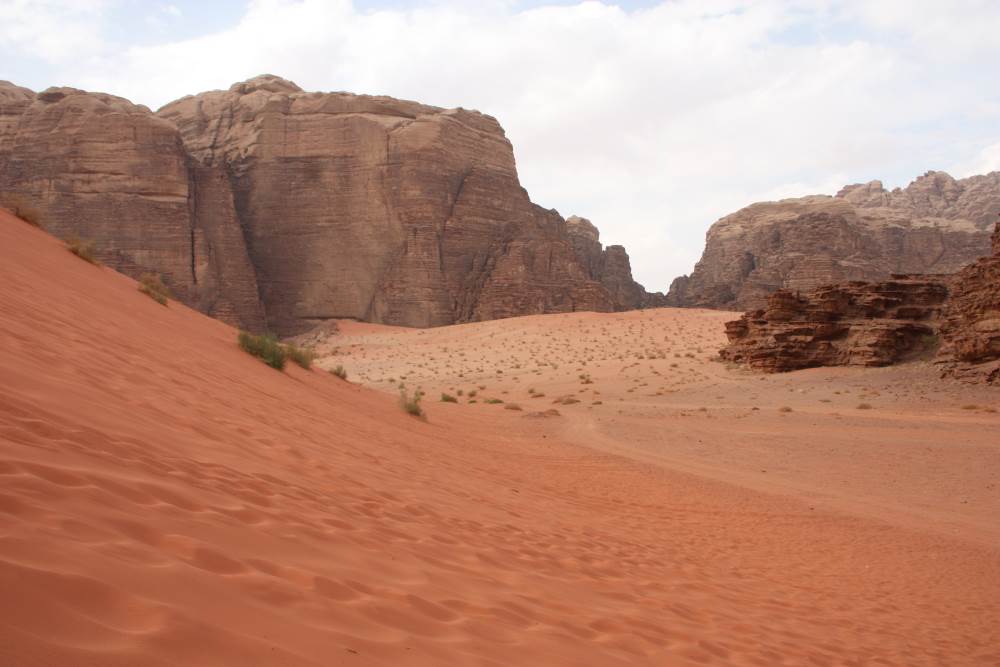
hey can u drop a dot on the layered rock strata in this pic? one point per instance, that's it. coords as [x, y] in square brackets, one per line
[609, 266]
[935, 225]
[970, 328]
[271, 207]
[854, 324]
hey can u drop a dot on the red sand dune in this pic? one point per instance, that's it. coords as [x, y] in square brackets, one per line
[167, 499]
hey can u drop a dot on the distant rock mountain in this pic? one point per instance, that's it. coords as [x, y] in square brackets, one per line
[935, 225]
[274, 208]
[609, 266]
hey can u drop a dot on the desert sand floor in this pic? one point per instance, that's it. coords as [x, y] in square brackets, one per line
[165, 499]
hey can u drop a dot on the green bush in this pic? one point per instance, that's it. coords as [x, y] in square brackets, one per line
[266, 348]
[340, 372]
[411, 404]
[448, 398]
[151, 285]
[303, 356]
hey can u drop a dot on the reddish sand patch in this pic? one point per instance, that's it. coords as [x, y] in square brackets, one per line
[167, 499]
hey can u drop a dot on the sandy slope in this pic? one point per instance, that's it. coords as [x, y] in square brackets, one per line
[166, 499]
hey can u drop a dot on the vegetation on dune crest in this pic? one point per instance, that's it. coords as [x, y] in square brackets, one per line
[83, 249]
[340, 372]
[265, 347]
[152, 286]
[21, 208]
[303, 356]
[274, 353]
[448, 398]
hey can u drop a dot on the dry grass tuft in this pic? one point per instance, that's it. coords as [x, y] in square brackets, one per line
[152, 286]
[83, 249]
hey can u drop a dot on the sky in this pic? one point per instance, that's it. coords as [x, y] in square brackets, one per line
[651, 118]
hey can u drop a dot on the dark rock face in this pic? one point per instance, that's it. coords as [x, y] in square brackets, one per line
[270, 207]
[935, 225]
[971, 326]
[854, 324]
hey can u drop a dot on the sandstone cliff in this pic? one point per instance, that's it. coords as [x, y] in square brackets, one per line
[852, 324]
[971, 323]
[271, 207]
[609, 266]
[101, 168]
[935, 225]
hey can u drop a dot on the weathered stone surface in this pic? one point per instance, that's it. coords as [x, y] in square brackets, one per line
[101, 168]
[971, 325]
[272, 207]
[609, 266]
[857, 323]
[935, 225]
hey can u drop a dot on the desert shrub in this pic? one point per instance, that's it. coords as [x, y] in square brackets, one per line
[22, 208]
[265, 347]
[411, 403]
[864, 406]
[151, 285]
[784, 409]
[448, 398]
[512, 406]
[82, 249]
[340, 372]
[492, 401]
[303, 356]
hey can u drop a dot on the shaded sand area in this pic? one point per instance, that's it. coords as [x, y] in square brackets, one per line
[167, 499]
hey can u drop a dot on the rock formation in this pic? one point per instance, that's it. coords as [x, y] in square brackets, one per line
[857, 323]
[271, 207]
[101, 168]
[609, 266]
[935, 225]
[971, 323]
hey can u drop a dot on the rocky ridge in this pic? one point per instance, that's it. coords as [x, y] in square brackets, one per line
[954, 319]
[970, 327]
[275, 208]
[935, 225]
[853, 324]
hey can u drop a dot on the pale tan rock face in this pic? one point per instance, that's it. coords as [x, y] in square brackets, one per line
[272, 207]
[935, 225]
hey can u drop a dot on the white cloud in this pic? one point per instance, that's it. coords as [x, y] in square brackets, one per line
[653, 123]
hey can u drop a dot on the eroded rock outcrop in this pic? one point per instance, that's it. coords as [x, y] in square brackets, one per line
[609, 266]
[272, 207]
[971, 324]
[935, 225]
[857, 323]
